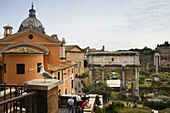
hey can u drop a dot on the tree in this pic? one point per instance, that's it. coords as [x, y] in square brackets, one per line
[98, 88]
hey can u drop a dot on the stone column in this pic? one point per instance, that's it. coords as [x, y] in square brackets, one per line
[102, 69]
[136, 86]
[123, 87]
[157, 61]
[90, 73]
[46, 99]
[123, 76]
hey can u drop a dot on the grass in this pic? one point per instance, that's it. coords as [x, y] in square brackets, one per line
[144, 85]
[134, 110]
[167, 110]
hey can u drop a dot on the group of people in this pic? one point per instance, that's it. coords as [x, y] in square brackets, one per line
[129, 104]
[80, 106]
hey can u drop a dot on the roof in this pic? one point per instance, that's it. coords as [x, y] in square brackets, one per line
[69, 47]
[55, 68]
[22, 50]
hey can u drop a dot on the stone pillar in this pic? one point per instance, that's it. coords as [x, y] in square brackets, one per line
[102, 69]
[123, 86]
[46, 99]
[136, 85]
[123, 76]
[157, 61]
[90, 74]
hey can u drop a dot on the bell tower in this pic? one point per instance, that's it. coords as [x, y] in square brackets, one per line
[7, 30]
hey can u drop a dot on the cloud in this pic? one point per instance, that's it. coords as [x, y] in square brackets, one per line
[118, 24]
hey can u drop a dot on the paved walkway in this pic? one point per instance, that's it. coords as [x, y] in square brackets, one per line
[64, 110]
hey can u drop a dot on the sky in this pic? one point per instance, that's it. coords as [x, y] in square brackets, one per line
[117, 24]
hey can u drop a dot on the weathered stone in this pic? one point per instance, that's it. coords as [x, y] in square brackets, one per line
[124, 63]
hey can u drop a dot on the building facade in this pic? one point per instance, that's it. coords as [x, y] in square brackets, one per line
[75, 54]
[23, 52]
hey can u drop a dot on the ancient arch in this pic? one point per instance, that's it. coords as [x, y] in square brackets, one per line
[125, 63]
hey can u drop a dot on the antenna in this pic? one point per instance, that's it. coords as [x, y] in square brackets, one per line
[32, 5]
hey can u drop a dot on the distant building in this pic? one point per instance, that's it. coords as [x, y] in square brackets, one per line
[24, 51]
[75, 54]
[164, 52]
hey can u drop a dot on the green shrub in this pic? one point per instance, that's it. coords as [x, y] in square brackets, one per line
[112, 108]
[98, 88]
[108, 76]
[141, 80]
[98, 109]
[117, 75]
[85, 74]
[157, 105]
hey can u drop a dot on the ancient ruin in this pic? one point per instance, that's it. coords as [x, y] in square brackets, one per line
[126, 64]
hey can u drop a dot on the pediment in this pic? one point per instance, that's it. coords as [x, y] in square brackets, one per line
[73, 48]
[23, 36]
[19, 44]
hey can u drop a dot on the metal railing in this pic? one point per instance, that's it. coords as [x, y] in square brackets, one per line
[19, 104]
[15, 99]
[12, 89]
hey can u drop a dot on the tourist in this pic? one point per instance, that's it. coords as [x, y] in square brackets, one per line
[98, 102]
[135, 105]
[70, 104]
[127, 102]
[84, 106]
[59, 98]
[78, 99]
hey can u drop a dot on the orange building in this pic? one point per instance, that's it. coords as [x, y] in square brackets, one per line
[30, 47]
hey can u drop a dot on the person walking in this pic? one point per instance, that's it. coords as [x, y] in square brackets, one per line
[127, 102]
[78, 99]
[98, 102]
[70, 104]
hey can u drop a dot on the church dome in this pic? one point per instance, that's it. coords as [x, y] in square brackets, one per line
[31, 22]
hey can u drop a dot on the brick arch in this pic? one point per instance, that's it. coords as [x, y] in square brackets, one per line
[25, 43]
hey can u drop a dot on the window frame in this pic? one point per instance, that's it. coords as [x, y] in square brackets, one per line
[17, 67]
[58, 75]
[38, 68]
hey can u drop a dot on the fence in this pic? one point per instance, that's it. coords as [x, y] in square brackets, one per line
[14, 99]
